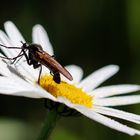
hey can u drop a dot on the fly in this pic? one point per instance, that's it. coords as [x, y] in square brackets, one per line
[37, 57]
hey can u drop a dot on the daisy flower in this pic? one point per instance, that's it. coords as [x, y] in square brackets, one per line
[80, 94]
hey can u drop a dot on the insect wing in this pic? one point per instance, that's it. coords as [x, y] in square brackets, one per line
[52, 62]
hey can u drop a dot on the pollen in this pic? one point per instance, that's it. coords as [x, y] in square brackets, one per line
[72, 93]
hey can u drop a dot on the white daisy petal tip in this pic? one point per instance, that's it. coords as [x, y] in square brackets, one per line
[9, 22]
[37, 27]
[118, 114]
[41, 37]
[112, 90]
[113, 67]
[76, 72]
[98, 77]
[13, 33]
[118, 101]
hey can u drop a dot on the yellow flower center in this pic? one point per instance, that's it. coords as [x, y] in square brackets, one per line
[72, 93]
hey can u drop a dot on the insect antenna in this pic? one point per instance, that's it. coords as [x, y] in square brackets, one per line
[10, 47]
[20, 55]
[13, 58]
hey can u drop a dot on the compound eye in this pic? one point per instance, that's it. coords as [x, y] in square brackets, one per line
[37, 47]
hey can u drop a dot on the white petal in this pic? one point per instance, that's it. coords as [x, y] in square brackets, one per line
[108, 122]
[15, 36]
[4, 40]
[118, 114]
[76, 73]
[11, 87]
[28, 71]
[33, 88]
[13, 33]
[3, 68]
[24, 70]
[98, 77]
[18, 87]
[114, 90]
[40, 37]
[117, 101]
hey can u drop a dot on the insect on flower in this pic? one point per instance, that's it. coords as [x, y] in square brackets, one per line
[37, 57]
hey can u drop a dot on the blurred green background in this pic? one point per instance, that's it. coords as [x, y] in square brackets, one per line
[89, 33]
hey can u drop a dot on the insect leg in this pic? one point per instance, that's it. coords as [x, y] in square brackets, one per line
[20, 54]
[39, 74]
[56, 77]
[19, 59]
[26, 56]
[51, 73]
[3, 57]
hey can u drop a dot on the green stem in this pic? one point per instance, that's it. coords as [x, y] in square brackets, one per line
[49, 124]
